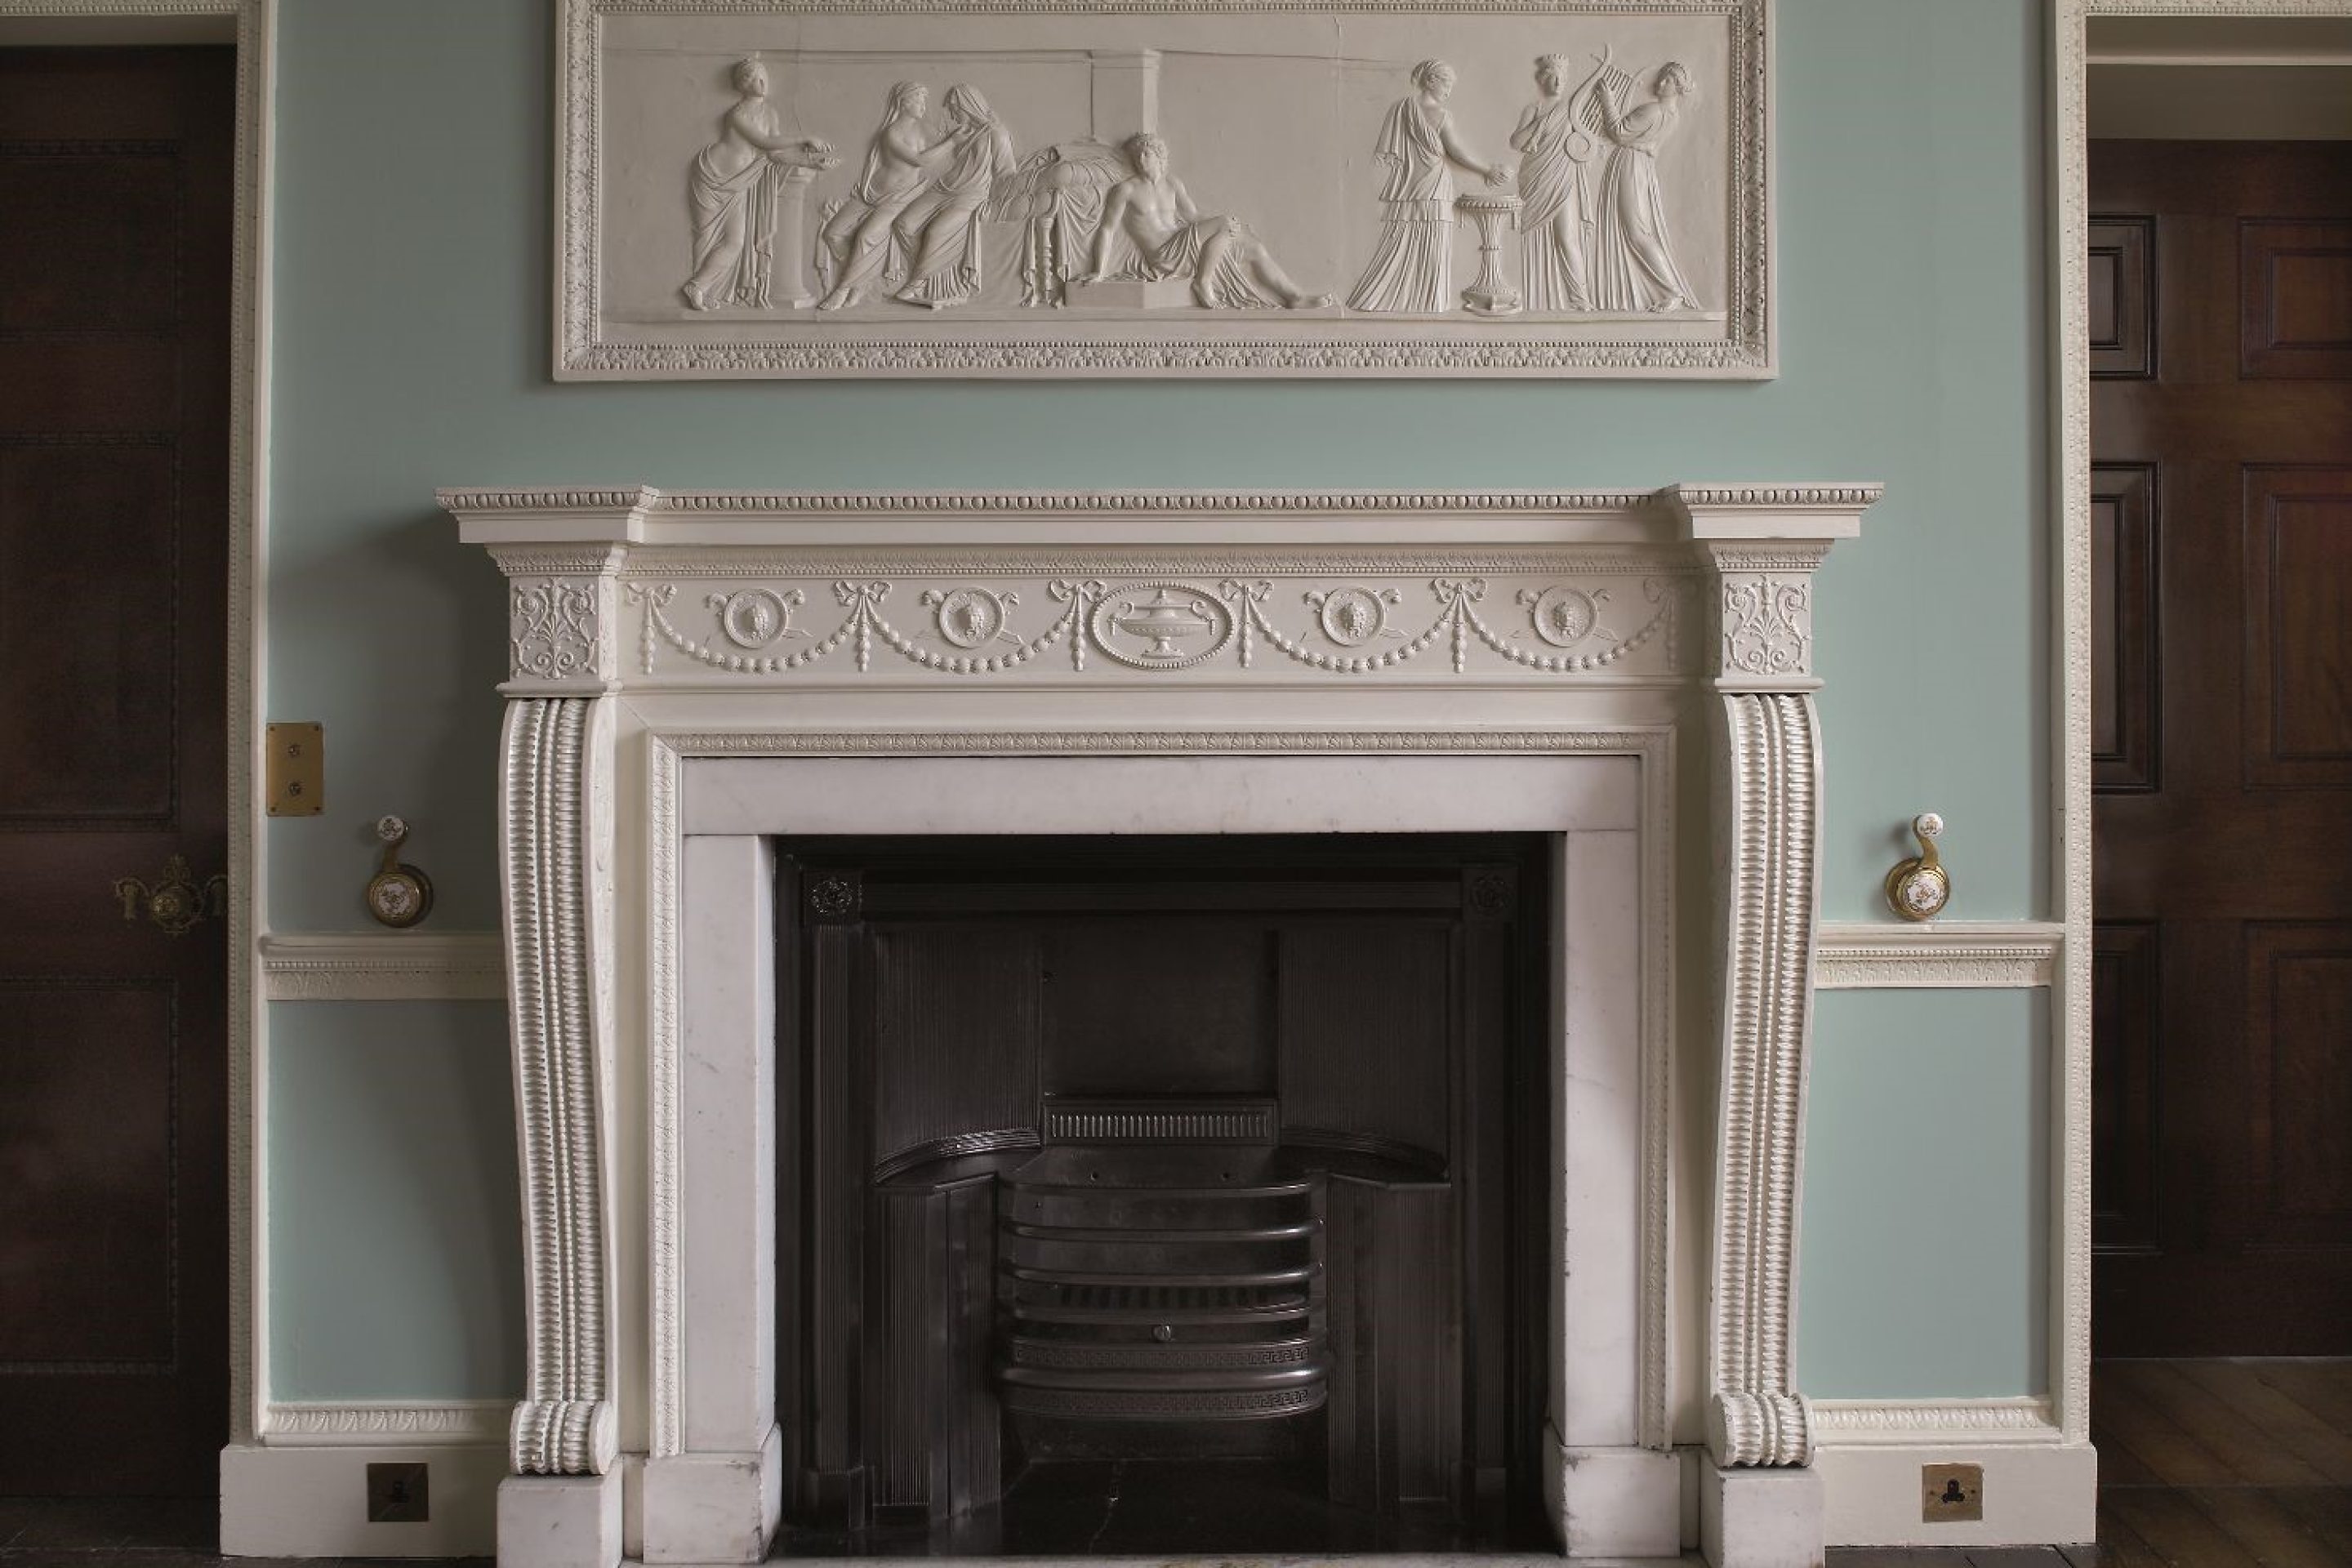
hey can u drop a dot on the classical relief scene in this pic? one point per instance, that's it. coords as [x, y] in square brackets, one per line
[782, 177]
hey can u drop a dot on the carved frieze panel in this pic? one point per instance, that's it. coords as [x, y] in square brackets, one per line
[844, 188]
[755, 621]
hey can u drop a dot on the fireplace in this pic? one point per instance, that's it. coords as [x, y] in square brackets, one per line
[704, 684]
[1124, 1165]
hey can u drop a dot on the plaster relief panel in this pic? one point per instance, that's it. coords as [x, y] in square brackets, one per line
[1087, 187]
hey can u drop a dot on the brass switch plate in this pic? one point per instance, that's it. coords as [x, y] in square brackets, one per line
[296, 784]
[1951, 1494]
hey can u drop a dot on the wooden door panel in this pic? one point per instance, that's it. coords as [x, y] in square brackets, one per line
[2123, 296]
[88, 593]
[109, 217]
[2222, 1072]
[78, 386]
[2297, 311]
[115, 201]
[2299, 1072]
[2298, 616]
[2126, 651]
[2124, 1013]
[86, 1138]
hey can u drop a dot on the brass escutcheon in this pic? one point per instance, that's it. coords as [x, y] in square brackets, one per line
[177, 902]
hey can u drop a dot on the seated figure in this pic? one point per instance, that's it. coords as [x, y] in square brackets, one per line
[1222, 258]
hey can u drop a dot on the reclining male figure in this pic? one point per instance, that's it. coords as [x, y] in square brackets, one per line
[1222, 257]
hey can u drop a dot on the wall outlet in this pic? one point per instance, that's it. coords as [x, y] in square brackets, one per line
[398, 1494]
[1951, 1494]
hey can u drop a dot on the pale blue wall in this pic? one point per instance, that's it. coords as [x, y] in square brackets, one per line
[411, 276]
[395, 1259]
[1925, 1229]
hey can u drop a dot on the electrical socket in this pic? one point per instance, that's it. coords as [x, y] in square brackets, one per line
[1951, 1494]
[398, 1494]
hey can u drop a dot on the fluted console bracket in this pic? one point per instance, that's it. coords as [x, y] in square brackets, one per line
[1762, 545]
[556, 831]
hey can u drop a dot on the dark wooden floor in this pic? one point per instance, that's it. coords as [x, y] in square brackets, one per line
[2202, 1464]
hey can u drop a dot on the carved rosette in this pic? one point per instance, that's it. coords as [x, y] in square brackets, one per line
[1770, 774]
[556, 827]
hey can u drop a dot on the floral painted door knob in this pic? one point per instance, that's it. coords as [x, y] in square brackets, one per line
[1918, 888]
[397, 895]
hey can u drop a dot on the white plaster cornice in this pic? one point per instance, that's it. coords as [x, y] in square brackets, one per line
[383, 966]
[1946, 956]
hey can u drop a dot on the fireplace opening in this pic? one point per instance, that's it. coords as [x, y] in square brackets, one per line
[1146, 1194]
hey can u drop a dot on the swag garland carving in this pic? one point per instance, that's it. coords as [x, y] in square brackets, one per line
[966, 629]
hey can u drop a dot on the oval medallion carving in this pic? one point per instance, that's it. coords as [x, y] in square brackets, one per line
[1161, 625]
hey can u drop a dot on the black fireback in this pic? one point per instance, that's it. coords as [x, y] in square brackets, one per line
[1162, 1170]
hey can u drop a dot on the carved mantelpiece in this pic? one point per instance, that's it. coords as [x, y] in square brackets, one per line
[693, 671]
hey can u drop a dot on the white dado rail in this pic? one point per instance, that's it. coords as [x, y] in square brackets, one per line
[1240, 662]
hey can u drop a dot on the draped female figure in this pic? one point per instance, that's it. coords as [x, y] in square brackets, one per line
[940, 228]
[858, 246]
[732, 189]
[1411, 268]
[1555, 190]
[1634, 267]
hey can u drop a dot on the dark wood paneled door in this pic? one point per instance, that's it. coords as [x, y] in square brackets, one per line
[115, 268]
[2221, 442]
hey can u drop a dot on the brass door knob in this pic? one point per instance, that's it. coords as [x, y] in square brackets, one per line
[177, 901]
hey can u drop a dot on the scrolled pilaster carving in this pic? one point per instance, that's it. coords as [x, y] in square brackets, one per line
[1770, 776]
[556, 830]
[1763, 611]
[560, 616]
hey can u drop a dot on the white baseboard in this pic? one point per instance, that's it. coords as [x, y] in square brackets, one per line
[2035, 1494]
[311, 1501]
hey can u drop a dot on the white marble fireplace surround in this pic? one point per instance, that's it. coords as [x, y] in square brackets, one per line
[697, 673]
